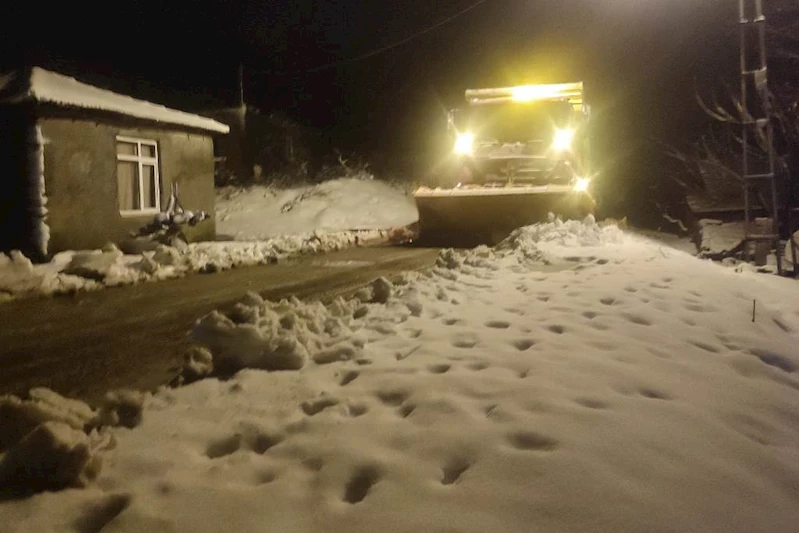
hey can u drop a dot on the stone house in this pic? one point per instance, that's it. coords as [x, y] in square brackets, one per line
[82, 166]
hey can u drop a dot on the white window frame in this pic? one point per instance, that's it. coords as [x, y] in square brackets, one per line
[141, 161]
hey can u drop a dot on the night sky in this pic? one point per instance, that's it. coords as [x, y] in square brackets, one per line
[640, 59]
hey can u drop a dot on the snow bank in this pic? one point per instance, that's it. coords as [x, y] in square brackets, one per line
[70, 272]
[49, 442]
[577, 378]
[337, 205]
[51, 457]
[269, 224]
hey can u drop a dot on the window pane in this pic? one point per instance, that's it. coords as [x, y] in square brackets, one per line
[148, 150]
[127, 185]
[124, 148]
[150, 186]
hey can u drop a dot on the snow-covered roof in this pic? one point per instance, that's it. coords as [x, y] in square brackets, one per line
[44, 86]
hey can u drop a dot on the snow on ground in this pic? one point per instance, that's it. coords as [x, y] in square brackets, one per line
[575, 379]
[337, 205]
[69, 272]
[268, 225]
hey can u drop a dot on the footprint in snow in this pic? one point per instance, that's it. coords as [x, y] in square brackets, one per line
[360, 483]
[393, 398]
[254, 440]
[355, 410]
[523, 344]
[405, 410]
[465, 340]
[439, 368]
[97, 515]
[498, 324]
[654, 394]
[705, 346]
[780, 323]
[453, 470]
[532, 441]
[314, 407]
[591, 403]
[637, 319]
[263, 477]
[701, 308]
[224, 447]
[774, 359]
[348, 377]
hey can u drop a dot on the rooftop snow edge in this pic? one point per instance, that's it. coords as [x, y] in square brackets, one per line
[44, 86]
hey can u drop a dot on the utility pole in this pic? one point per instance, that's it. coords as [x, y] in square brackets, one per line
[241, 84]
[757, 136]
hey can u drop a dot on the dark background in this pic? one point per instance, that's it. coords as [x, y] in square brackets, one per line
[642, 61]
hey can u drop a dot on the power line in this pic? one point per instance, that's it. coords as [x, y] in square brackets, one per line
[396, 44]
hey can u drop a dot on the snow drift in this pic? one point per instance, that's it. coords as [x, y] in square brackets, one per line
[346, 204]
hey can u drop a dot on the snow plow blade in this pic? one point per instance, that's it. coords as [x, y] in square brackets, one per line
[485, 215]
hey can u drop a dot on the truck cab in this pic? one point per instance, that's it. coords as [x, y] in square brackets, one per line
[533, 134]
[519, 156]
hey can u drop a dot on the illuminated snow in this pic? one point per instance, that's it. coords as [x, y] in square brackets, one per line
[577, 378]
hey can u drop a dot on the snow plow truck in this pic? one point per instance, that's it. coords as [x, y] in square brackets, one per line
[519, 155]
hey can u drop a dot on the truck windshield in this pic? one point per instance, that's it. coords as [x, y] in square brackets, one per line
[517, 122]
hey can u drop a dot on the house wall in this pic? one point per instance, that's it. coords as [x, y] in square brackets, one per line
[18, 217]
[80, 175]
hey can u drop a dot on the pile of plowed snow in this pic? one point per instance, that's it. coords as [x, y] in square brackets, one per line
[345, 204]
[86, 270]
[575, 378]
[267, 224]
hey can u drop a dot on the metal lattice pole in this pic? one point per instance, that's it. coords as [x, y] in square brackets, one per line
[757, 134]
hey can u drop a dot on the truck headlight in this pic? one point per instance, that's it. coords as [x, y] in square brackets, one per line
[581, 184]
[563, 140]
[464, 144]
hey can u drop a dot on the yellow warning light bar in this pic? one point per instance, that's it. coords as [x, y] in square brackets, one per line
[571, 92]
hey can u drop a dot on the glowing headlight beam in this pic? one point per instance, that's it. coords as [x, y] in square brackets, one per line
[563, 140]
[581, 184]
[464, 143]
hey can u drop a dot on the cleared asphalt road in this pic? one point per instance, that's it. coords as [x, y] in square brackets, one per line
[83, 345]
